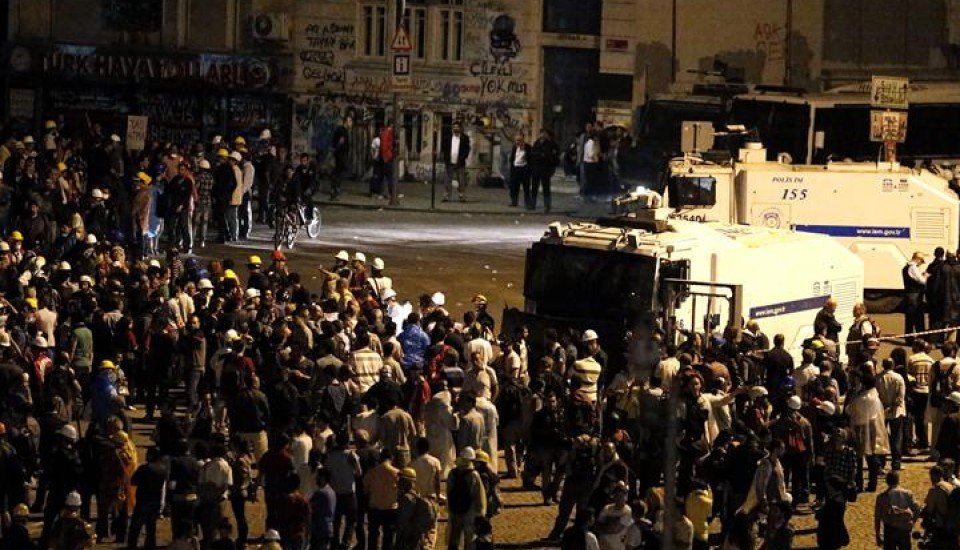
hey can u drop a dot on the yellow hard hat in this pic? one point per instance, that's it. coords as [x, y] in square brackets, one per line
[229, 274]
[50, 125]
[61, 167]
[21, 511]
[32, 302]
[254, 260]
[223, 153]
[239, 141]
[107, 364]
[408, 473]
[482, 455]
[142, 176]
[479, 299]
[17, 236]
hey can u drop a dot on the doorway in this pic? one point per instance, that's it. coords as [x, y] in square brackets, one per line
[569, 90]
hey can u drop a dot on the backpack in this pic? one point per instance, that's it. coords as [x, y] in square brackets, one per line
[856, 333]
[584, 463]
[793, 437]
[940, 388]
[458, 491]
[510, 402]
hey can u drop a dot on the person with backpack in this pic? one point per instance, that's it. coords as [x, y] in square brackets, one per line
[797, 436]
[466, 501]
[919, 367]
[416, 515]
[940, 510]
[578, 485]
[945, 379]
[948, 438]
[510, 407]
[895, 510]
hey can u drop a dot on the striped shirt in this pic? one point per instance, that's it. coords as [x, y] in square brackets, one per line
[588, 371]
[918, 366]
[366, 365]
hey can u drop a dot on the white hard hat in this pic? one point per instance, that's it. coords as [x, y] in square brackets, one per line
[378, 263]
[252, 293]
[438, 299]
[343, 255]
[236, 156]
[97, 194]
[205, 164]
[388, 293]
[216, 139]
[28, 139]
[40, 341]
[115, 138]
[232, 335]
[63, 266]
[266, 134]
[86, 279]
[91, 239]
[205, 284]
[360, 257]
[73, 498]
[68, 431]
[795, 402]
[155, 263]
[589, 335]
[828, 408]
[757, 391]
[955, 397]
[4, 246]
[467, 453]
[271, 536]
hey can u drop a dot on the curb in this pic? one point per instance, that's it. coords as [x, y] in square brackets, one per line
[403, 208]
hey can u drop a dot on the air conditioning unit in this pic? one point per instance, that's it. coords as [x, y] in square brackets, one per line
[271, 26]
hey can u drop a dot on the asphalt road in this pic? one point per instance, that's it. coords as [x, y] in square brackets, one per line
[461, 255]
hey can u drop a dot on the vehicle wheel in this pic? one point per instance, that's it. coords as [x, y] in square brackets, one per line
[291, 230]
[313, 227]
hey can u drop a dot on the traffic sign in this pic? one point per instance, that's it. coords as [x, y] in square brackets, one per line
[889, 92]
[401, 42]
[401, 70]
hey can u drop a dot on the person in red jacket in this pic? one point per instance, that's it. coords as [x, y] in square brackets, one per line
[387, 153]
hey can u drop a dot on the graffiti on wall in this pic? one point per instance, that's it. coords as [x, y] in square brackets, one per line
[316, 117]
[769, 38]
[325, 49]
[504, 44]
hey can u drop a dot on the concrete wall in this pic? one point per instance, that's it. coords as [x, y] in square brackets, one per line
[751, 36]
[497, 78]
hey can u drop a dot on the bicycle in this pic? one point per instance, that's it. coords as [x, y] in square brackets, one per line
[290, 218]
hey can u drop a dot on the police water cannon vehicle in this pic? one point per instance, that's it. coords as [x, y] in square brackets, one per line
[881, 211]
[646, 266]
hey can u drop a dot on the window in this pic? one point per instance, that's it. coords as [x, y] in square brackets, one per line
[413, 132]
[451, 30]
[572, 16]
[374, 40]
[415, 21]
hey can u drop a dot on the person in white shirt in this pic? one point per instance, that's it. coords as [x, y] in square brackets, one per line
[592, 170]
[914, 287]
[456, 151]
[806, 372]
[520, 172]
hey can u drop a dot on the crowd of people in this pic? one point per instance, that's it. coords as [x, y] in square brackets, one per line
[359, 419]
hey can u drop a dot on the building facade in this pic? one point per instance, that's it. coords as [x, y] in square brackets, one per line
[199, 67]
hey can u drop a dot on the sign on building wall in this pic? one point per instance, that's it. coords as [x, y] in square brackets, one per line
[888, 126]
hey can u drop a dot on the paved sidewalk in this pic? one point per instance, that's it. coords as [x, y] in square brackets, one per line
[415, 197]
